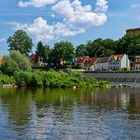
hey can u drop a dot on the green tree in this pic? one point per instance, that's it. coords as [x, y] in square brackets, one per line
[62, 51]
[81, 50]
[15, 62]
[20, 41]
[43, 51]
[129, 44]
[100, 47]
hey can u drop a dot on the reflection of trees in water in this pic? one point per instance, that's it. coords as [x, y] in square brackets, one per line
[17, 104]
[57, 101]
[103, 97]
[125, 98]
[134, 102]
[49, 107]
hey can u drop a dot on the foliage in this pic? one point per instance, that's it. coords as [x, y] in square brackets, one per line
[4, 79]
[42, 51]
[62, 51]
[55, 79]
[81, 50]
[97, 48]
[15, 62]
[20, 41]
[129, 44]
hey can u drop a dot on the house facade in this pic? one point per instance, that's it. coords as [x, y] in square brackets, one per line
[81, 61]
[102, 63]
[119, 62]
[90, 64]
[137, 63]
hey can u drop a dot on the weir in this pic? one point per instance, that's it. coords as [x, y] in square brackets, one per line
[117, 78]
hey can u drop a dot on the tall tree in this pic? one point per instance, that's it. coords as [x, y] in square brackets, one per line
[20, 41]
[43, 51]
[129, 44]
[100, 47]
[62, 51]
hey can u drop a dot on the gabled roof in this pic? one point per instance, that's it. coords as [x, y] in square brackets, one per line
[91, 60]
[82, 59]
[116, 57]
[103, 59]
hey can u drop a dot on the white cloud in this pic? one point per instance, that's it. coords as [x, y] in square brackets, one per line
[101, 6]
[75, 19]
[39, 28]
[36, 3]
[75, 13]
[135, 5]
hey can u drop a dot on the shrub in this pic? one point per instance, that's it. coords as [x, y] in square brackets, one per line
[15, 62]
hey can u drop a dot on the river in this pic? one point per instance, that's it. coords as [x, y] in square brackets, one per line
[70, 114]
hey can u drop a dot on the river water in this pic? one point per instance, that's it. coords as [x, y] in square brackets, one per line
[68, 114]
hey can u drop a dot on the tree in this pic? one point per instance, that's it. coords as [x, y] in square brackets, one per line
[62, 51]
[100, 47]
[20, 41]
[15, 62]
[129, 44]
[81, 50]
[43, 51]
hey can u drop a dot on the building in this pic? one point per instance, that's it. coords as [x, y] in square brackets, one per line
[37, 61]
[90, 64]
[102, 63]
[1, 59]
[119, 62]
[137, 63]
[33, 59]
[133, 31]
[81, 61]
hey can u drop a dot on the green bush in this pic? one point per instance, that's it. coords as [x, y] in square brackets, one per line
[4, 79]
[55, 79]
[15, 62]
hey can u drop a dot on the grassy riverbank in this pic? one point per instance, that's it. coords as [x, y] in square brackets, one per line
[51, 79]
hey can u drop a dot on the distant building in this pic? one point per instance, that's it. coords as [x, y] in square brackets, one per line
[137, 63]
[133, 31]
[33, 58]
[1, 59]
[81, 61]
[102, 63]
[119, 62]
[37, 61]
[90, 64]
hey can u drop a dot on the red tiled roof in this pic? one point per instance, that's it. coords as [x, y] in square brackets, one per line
[91, 61]
[116, 57]
[82, 59]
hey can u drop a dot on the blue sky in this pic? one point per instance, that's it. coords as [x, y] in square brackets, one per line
[72, 20]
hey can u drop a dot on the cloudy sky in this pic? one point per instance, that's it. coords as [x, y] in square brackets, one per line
[73, 20]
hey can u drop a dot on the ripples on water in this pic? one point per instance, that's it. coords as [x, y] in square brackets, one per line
[81, 114]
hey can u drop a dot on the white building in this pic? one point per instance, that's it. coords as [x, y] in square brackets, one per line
[102, 63]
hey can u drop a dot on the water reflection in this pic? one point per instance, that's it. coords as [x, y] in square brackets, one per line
[70, 114]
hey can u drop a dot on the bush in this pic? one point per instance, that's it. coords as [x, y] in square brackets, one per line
[4, 79]
[55, 79]
[15, 62]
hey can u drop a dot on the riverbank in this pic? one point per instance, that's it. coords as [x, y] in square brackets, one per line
[50, 79]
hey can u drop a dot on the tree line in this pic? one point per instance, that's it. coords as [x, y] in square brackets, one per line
[65, 50]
